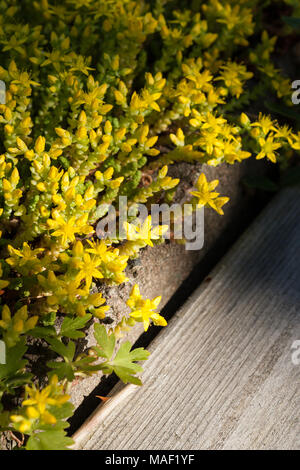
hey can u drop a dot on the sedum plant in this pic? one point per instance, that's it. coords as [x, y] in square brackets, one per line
[100, 94]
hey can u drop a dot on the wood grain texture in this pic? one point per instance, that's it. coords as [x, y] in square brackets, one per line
[221, 375]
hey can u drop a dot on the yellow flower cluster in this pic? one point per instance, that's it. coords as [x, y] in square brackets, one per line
[269, 136]
[70, 292]
[38, 405]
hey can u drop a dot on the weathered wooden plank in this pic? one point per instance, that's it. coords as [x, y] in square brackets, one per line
[221, 374]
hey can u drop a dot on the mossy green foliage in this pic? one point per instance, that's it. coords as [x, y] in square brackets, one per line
[100, 95]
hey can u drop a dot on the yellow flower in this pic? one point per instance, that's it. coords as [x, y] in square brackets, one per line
[150, 100]
[234, 75]
[52, 395]
[234, 154]
[207, 196]
[21, 423]
[27, 253]
[212, 122]
[265, 123]
[296, 141]
[97, 248]
[144, 232]
[25, 259]
[219, 203]
[69, 290]
[88, 269]
[142, 310]
[36, 403]
[210, 142]
[205, 192]
[66, 229]
[285, 133]
[268, 148]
